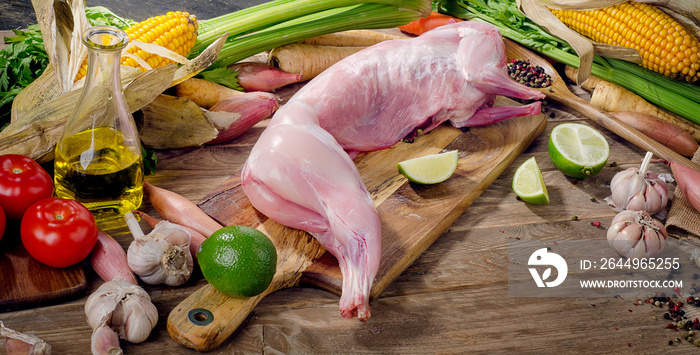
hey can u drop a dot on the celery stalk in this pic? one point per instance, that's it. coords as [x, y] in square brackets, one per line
[259, 20]
[334, 20]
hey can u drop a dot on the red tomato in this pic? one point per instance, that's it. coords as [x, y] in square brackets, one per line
[58, 232]
[3, 221]
[22, 182]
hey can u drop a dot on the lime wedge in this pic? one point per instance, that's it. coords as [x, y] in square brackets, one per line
[430, 169]
[579, 151]
[528, 183]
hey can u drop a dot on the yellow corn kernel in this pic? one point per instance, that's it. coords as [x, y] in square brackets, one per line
[175, 30]
[664, 44]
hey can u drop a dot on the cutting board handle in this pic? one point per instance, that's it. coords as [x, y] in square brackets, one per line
[208, 317]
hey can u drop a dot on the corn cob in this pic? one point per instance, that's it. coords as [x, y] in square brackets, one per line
[176, 31]
[663, 43]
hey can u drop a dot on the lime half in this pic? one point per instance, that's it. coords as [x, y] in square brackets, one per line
[528, 183]
[430, 169]
[579, 151]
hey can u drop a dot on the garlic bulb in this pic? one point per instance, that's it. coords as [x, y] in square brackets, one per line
[123, 306]
[162, 256]
[638, 190]
[17, 343]
[635, 234]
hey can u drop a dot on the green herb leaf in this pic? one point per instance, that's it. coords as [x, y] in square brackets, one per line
[222, 76]
[150, 160]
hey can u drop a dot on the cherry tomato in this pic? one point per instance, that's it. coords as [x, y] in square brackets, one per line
[58, 232]
[3, 222]
[22, 182]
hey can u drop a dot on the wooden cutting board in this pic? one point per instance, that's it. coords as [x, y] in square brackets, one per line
[413, 217]
[25, 282]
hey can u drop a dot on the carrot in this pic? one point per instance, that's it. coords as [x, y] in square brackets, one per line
[661, 131]
[306, 59]
[352, 38]
[203, 92]
[425, 24]
[614, 98]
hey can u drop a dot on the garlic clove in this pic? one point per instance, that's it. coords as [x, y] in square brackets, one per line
[17, 343]
[140, 318]
[104, 341]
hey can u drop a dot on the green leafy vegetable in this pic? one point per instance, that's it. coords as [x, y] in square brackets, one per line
[21, 61]
[223, 76]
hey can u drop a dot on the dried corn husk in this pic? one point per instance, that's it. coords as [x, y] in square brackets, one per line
[584, 47]
[171, 122]
[62, 24]
[688, 9]
[36, 133]
[38, 115]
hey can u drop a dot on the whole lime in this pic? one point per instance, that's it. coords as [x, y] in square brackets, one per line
[238, 261]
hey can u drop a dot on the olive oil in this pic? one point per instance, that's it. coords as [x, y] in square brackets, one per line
[96, 169]
[98, 160]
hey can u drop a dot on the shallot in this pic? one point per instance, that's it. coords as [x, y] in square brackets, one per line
[688, 181]
[237, 114]
[109, 261]
[639, 190]
[162, 256]
[635, 234]
[178, 209]
[254, 76]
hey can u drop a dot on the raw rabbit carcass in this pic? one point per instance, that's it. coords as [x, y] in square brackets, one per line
[300, 174]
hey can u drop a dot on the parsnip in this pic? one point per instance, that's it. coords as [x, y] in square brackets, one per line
[614, 98]
[306, 59]
[203, 92]
[353, 38]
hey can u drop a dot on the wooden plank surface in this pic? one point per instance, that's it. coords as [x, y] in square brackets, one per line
[452, 299]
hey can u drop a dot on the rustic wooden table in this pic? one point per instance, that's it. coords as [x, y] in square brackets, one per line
[452, 299]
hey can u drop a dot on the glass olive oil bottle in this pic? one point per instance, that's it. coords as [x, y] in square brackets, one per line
[98, 158]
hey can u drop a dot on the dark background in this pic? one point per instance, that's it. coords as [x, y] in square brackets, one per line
[20, 13]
